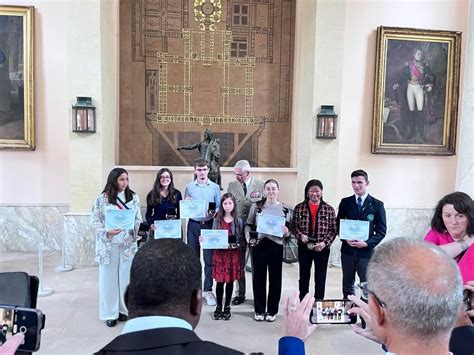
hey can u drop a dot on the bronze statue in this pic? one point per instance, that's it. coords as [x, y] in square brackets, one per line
[209, 149]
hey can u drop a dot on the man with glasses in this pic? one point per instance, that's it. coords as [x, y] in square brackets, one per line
[412, 306]
[203, 189]
[246, 190]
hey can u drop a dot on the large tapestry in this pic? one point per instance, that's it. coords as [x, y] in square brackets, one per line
[188, 65]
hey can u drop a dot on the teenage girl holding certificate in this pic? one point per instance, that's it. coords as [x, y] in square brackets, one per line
[162, 198]
[226, 264]
[267, 254]
[115, 248]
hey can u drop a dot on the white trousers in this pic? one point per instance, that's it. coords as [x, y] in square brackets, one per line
[113, 280]
[415, 96]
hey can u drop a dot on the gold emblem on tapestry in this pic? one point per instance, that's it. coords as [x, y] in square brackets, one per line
[207, 13]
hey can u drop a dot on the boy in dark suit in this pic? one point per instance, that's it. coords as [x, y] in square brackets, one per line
[355, 254]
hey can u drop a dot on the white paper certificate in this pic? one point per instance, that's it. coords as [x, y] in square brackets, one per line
[350, 229]
[268, 224]
[168, 229]
[192, 208]
[119, 219]
[215, 238]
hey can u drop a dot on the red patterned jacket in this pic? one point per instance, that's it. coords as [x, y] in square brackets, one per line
[326, 228]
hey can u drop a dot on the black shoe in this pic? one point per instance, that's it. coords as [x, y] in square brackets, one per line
[226, 315]
[111, 322]
[238, 300]
[218, 313]
[122, 317]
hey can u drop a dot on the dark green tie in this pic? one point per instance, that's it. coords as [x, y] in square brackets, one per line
[244, 186]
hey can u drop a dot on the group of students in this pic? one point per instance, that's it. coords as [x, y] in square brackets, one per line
[313, 223]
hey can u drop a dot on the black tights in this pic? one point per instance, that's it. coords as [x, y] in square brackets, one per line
[229, 287]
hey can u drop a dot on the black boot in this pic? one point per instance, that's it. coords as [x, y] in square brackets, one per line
[412, 133]
[226, 315]
[218, 312]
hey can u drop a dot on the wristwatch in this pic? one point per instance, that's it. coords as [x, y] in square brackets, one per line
[463, 243]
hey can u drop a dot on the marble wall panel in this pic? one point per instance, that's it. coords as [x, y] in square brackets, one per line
[23, 227]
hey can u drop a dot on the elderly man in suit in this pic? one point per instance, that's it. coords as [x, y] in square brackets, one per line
[355, 254]
[246, 190]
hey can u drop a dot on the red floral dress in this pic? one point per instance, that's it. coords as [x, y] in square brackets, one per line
[226, 266]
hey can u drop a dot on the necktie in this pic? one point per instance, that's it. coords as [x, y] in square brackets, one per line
[244, 186]
[359, 203]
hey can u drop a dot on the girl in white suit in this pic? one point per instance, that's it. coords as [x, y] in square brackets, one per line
[115, 248]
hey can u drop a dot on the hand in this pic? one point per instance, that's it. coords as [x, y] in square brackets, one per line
[319, 246]
[304, 238]
[285, 229]
[112, 232]
[201, 239]
[188, 198]
[357, 243]
[12, 344]
[152, 227]
[463, 318]
[362, 310]
[296, 316]
[395, 86]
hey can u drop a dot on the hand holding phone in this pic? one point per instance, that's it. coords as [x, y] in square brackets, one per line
[212, 208]
[28, 321]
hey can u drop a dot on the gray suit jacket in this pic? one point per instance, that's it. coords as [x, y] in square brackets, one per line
[254, 194]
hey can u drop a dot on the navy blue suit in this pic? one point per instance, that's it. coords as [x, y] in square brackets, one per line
[356, 259]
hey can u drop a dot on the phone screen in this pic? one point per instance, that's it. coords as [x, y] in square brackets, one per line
[212, 207]
[27, 321]
[332, 312]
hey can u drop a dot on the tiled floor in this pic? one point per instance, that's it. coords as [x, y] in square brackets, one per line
[73, 327]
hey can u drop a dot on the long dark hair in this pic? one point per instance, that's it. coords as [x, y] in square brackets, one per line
[111, 187]
[154, 197]
[462, 203]
[221, 213]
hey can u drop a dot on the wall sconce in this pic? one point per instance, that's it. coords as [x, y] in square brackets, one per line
[327, 122]
[83, 115]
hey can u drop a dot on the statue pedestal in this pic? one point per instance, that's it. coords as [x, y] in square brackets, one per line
[79, 239]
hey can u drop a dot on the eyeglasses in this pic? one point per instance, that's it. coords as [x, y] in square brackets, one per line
[363, 286]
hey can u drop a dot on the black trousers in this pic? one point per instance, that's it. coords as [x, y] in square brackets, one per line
[306, 258]
[350, 265]
[267, 256]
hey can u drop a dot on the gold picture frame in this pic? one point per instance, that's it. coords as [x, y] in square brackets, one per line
[17, 117]
[416, 91]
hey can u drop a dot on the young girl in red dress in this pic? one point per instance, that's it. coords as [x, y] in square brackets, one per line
[226, 265]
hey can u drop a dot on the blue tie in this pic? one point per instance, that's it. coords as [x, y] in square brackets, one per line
[359, 203]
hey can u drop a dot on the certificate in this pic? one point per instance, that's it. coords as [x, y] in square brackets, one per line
[119, 219]
[350, 229]
[215, 238]
[268, 224]
[192, 208]
[168, 229]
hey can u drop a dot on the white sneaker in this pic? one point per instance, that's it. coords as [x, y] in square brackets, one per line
[270, 318]
[259, 317]
[209, 297]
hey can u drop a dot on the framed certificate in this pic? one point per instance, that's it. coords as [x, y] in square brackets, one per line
[268, 224]
[168, 229]
[192, 209]
[119, 219]
[215, 238]
[350, 229]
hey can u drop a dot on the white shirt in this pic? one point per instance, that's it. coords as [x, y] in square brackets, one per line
[363, 197]
[154, 322]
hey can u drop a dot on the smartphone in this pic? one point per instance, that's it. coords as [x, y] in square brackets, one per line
[232, 239]
[332, 312]
[171, 213]
[212, 207]
[143, 229]
[467, 299]
[29, 321]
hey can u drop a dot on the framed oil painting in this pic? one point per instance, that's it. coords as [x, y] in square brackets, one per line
[416, 91]
[17, 121]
